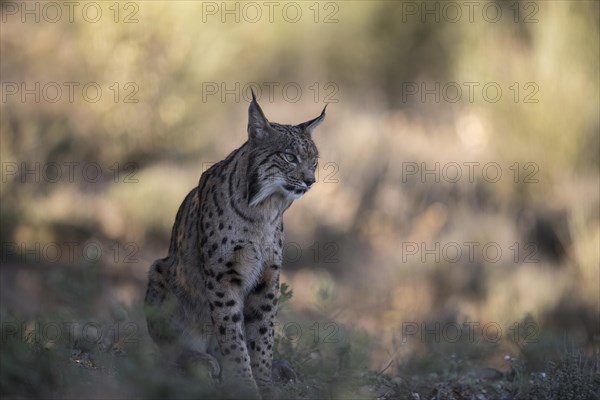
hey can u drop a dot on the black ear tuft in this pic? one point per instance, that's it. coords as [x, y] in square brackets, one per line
[258, 125]
[308, 126]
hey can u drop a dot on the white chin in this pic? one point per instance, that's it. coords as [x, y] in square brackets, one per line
[292, 194]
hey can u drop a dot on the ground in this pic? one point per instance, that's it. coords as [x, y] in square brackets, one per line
[62, 354]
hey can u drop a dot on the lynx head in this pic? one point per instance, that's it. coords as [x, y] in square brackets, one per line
[282, 159]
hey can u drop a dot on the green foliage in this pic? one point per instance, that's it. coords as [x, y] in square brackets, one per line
[28, 367]
[574, 376]
[285, 294]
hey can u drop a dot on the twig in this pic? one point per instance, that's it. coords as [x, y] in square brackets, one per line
[387, 366]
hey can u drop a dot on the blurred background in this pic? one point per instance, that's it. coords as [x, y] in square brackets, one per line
[454, 225]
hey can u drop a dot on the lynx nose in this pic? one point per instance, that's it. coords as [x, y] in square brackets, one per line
[309, 181]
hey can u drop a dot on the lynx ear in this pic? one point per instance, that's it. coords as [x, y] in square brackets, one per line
[308, 126]
[258, 125]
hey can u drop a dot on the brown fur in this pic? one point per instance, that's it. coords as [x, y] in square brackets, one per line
[217, 290]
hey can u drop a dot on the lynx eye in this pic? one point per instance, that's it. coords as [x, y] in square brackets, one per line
[315, 162]
[289, 157]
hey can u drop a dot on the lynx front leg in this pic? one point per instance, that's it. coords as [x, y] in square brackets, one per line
[226, 313]
[259, 317]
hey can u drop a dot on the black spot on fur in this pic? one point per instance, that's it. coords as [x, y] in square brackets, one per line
[236, 317]
[265, 308]
[252, 315]
[220, 294]
[222, 330]
[230, 303]
[262, 330]
[260, 287]
[236, 281]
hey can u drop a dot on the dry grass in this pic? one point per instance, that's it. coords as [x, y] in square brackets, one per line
[386, 306]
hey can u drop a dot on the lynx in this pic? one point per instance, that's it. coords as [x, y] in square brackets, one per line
[215, 295]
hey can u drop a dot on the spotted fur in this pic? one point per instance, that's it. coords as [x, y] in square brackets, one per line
[216, 292]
